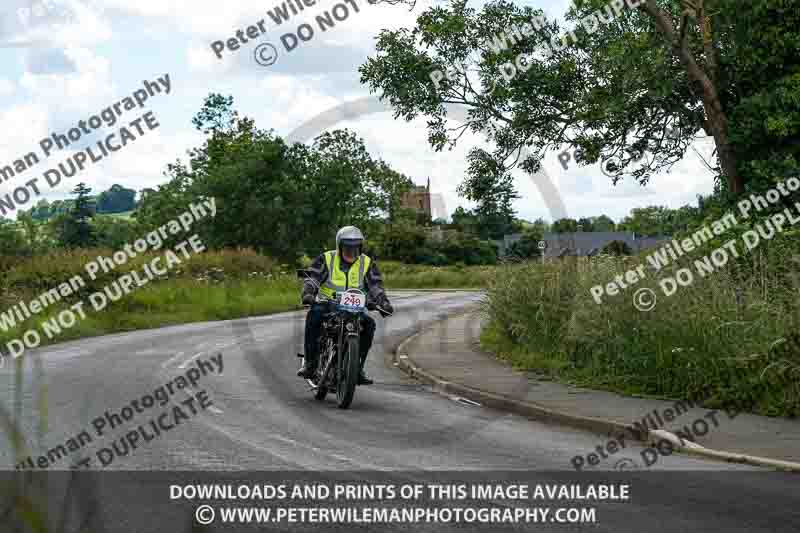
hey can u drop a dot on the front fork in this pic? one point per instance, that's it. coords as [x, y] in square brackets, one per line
[343, 334]
[346, 332]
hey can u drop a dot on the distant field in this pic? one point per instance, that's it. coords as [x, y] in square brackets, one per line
[126, 215]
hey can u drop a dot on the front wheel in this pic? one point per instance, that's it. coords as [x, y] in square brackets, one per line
[349, 366]
[326, 352]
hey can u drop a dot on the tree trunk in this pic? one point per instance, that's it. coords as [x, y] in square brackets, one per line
[717, 119]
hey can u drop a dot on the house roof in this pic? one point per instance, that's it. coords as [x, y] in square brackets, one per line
[591, 242]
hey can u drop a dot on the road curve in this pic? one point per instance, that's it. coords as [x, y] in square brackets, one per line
[264, 418]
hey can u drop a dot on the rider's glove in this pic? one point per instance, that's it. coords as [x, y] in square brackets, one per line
[308, 299]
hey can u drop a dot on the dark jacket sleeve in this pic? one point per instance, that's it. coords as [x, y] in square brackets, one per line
[318, 272]
[374, 281]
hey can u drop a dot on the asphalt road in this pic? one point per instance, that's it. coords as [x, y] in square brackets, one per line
[264, 418]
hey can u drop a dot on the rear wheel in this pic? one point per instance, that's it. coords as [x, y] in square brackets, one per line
[348, 367]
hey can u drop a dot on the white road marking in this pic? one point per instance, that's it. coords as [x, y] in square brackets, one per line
[211, 408]
[171, 359]
[192, 358]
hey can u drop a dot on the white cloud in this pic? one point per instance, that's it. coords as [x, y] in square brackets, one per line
[7, 87]
[63, 23]
[75, 91]
[201, 59]
[27, 124]
[58, 89]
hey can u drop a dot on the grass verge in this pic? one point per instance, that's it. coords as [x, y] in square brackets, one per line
[219, 285]
[731, 337]
[403, 276]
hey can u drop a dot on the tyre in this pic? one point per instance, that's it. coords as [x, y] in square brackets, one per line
[322, 390]
[348, 367]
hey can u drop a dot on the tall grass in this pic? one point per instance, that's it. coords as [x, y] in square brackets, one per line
[215, 285]
[733, 336]
[398, 275]
[211, 286]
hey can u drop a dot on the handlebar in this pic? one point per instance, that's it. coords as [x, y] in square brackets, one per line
[371, 307]
[302, 273]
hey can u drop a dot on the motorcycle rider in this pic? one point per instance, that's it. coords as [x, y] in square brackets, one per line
[335, 271]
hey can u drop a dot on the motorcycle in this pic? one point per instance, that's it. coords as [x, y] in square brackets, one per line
[339, 354]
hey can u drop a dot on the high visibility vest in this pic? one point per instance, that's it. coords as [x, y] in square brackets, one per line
[338, 281]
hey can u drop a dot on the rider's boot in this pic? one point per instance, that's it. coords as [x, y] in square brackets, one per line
[362, 377]
[308, 369]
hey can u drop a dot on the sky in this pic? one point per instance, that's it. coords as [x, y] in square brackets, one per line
[62, 61]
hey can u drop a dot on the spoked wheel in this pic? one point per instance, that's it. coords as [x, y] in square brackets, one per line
[347, 372]
[322, 390]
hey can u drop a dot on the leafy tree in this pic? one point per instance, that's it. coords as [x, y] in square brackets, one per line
[41, 211]
[647, 221]
[586, 224]
[117, 199]
[488, 184]
[168, 201]
[12, 242]
[528, 245]
[467, 249]
[402, 242]
[114, 232]
[564, 225]
[143, 193]
[539, 225]
[302, 193]
[603, 223]
[30, 228]
[61, 207]
[74, 229]
[388, 187]
[465, 220]
[616, 248]
[725, 68]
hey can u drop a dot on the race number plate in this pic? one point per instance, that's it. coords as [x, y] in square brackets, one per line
[352, 299]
